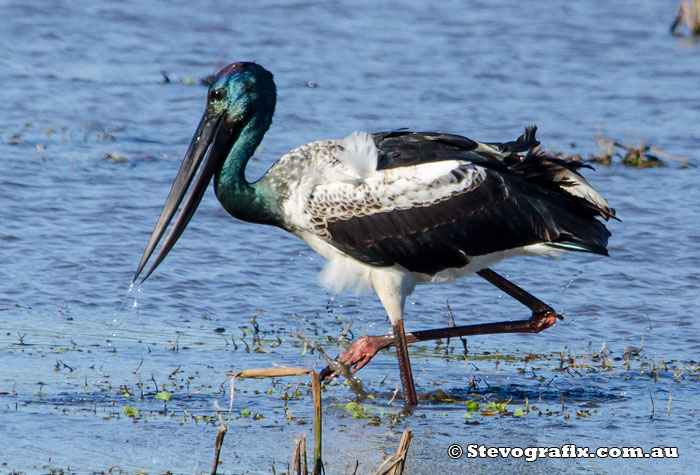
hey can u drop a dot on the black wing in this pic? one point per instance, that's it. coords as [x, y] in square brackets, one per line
[403, 148]
[522, 200]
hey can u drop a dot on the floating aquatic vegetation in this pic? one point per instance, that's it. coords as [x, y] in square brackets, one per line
[166, 79]
[114, 157]
[204, 81]
[491, 408]
[164, 396]
[586, 387]
[636, 156]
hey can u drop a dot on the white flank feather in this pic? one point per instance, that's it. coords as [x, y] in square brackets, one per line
[341, 273]
[359, 154]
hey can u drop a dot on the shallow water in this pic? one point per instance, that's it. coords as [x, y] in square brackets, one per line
[90, 141]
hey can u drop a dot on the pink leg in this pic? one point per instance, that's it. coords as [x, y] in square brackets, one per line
[362, 350]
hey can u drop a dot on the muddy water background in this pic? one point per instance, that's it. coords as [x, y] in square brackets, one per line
[90, 140]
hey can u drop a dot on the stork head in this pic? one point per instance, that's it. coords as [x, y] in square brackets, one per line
[241, 98]
[240, 91]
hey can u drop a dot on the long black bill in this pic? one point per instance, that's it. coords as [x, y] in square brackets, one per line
[209, 135]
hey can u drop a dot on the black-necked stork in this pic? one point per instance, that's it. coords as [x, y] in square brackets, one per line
[389, 210]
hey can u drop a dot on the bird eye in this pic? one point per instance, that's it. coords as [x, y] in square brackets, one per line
[216, 95]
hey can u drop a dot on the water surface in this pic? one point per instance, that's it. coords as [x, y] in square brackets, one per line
[90, 141]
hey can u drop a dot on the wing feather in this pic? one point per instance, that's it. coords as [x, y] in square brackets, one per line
[436, 200]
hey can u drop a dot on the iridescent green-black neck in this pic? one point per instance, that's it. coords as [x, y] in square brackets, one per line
[245, 95]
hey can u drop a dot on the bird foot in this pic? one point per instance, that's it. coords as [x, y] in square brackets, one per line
[356, 356]
[540, 321]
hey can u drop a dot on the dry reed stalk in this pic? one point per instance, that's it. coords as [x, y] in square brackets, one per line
[295, 466]
[221, 431]
[304, 466]
[316, 389]
[396, 463]
[277, 372]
